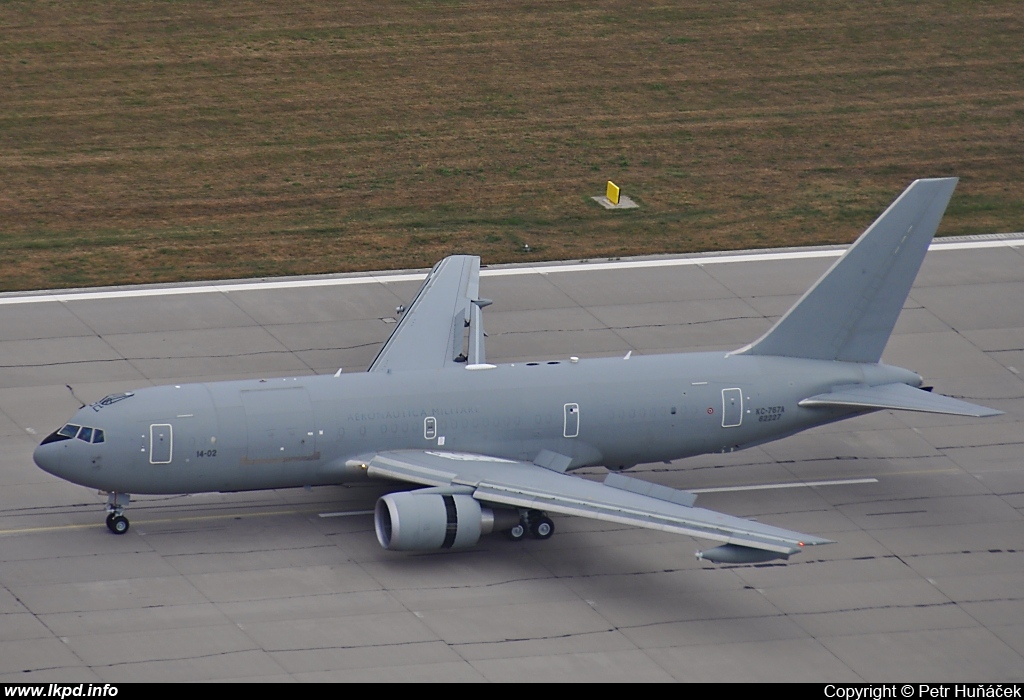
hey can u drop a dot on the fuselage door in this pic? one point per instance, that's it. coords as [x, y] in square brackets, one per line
[732, 408]
[161, 448]
[571, 426]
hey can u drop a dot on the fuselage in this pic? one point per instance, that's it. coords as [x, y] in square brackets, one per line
[278, 433]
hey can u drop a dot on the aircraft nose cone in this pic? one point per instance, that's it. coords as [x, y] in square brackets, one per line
[47, 457]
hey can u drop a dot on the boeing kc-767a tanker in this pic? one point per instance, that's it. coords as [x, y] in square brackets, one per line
[493, 446]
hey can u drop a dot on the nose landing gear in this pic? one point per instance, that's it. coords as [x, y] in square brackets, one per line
[118, 524]
[116, 503]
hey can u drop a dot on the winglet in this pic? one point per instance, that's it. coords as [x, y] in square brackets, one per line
[850, 312]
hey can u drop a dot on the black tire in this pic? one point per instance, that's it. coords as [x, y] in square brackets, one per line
[517, 533]
[118, 524]
[542, 528]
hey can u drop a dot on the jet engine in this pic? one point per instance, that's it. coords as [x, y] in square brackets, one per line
[415, 521]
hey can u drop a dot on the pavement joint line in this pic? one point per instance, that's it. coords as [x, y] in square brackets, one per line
[769, 255]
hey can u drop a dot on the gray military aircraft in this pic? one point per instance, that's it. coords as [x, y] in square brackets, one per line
[491, 446]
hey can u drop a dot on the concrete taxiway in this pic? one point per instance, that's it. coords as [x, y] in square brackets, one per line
[925, 582]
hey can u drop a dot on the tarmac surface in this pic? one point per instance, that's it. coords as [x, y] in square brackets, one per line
[925, 581]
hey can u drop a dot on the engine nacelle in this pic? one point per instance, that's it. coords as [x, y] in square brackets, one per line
[413, 521]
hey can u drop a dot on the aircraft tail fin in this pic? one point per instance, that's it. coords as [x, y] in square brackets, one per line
[431, 334]
[850, 312]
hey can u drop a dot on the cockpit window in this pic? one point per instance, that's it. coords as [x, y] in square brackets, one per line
[69, 431]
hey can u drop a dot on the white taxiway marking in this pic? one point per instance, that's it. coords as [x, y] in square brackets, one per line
[792, 485]
[227, 288]
[342, 514]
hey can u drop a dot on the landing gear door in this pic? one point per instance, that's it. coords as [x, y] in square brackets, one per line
[732, 408]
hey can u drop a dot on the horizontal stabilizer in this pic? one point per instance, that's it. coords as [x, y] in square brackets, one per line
[898, 397]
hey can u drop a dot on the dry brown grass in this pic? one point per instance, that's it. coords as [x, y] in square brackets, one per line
[153, 141]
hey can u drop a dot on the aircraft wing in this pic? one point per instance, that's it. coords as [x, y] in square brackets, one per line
[619, 499]
[431, 334]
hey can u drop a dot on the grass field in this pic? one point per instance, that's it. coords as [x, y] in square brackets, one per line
[155, 141]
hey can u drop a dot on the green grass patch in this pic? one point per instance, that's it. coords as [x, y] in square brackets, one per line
[189, 140]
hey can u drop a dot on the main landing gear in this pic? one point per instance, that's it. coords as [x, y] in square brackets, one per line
[533, 523]
[116, 503]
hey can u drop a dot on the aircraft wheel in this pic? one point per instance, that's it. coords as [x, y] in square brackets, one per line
[542, 528]
[118, 524]
[516, 533]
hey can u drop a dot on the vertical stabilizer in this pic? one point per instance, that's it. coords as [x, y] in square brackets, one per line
[850, 312]
[432, 332]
